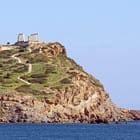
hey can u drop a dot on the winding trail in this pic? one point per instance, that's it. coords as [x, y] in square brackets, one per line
[14, 56]
[29, 68]
[26, 82]
[18, 59]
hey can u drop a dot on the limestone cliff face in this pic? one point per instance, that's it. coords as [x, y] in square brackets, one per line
[49, 49]
[80, 99]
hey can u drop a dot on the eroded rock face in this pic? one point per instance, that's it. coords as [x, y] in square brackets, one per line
[82, 100]
[85, 102]
[49, 49]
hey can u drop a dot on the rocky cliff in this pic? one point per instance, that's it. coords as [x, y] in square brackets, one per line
[55, 90]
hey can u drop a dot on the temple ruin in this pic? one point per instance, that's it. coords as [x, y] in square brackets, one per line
[21, 37]
[31, 38]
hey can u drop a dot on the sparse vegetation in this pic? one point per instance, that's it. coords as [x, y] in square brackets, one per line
[47, 72]
[7, 53]
[27, 89]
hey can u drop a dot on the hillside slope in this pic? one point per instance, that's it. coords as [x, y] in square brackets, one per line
[39, 83]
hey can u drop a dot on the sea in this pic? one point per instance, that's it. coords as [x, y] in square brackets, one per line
[122, 131]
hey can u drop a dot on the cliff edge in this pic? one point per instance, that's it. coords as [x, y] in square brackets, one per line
[39, 83]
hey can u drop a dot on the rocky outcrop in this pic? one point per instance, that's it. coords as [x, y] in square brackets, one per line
[49, 49]
[84, 102]
[80, 99]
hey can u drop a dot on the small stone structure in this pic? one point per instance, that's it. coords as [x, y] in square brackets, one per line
[33, 37]
[21, 37]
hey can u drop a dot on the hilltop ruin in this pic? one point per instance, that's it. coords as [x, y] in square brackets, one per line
[21, 42]
[31, 38]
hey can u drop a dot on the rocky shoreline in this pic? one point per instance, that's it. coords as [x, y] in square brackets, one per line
[25, 109]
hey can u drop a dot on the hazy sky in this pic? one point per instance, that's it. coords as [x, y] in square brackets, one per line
[103, 36]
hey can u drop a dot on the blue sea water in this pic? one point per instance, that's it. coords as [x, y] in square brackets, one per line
[130, 131]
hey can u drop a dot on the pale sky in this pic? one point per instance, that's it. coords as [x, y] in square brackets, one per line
[103, 36]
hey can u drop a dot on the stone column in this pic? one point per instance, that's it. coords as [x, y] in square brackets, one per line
[21, 37]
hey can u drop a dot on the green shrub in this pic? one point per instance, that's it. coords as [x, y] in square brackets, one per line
[38, 80]
[26, 89]
[7, 75]
[9, 61]
[7, 53]
[38, 75]
[38, 58]
[6, 81]
[1, 65]
[66, 81]
[20, 69]
[50, 69]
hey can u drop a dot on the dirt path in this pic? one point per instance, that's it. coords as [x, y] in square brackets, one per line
[26, 82]
[18, 59]
[29, 68]
[29, 49]
[30, 65]
[14, 56]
